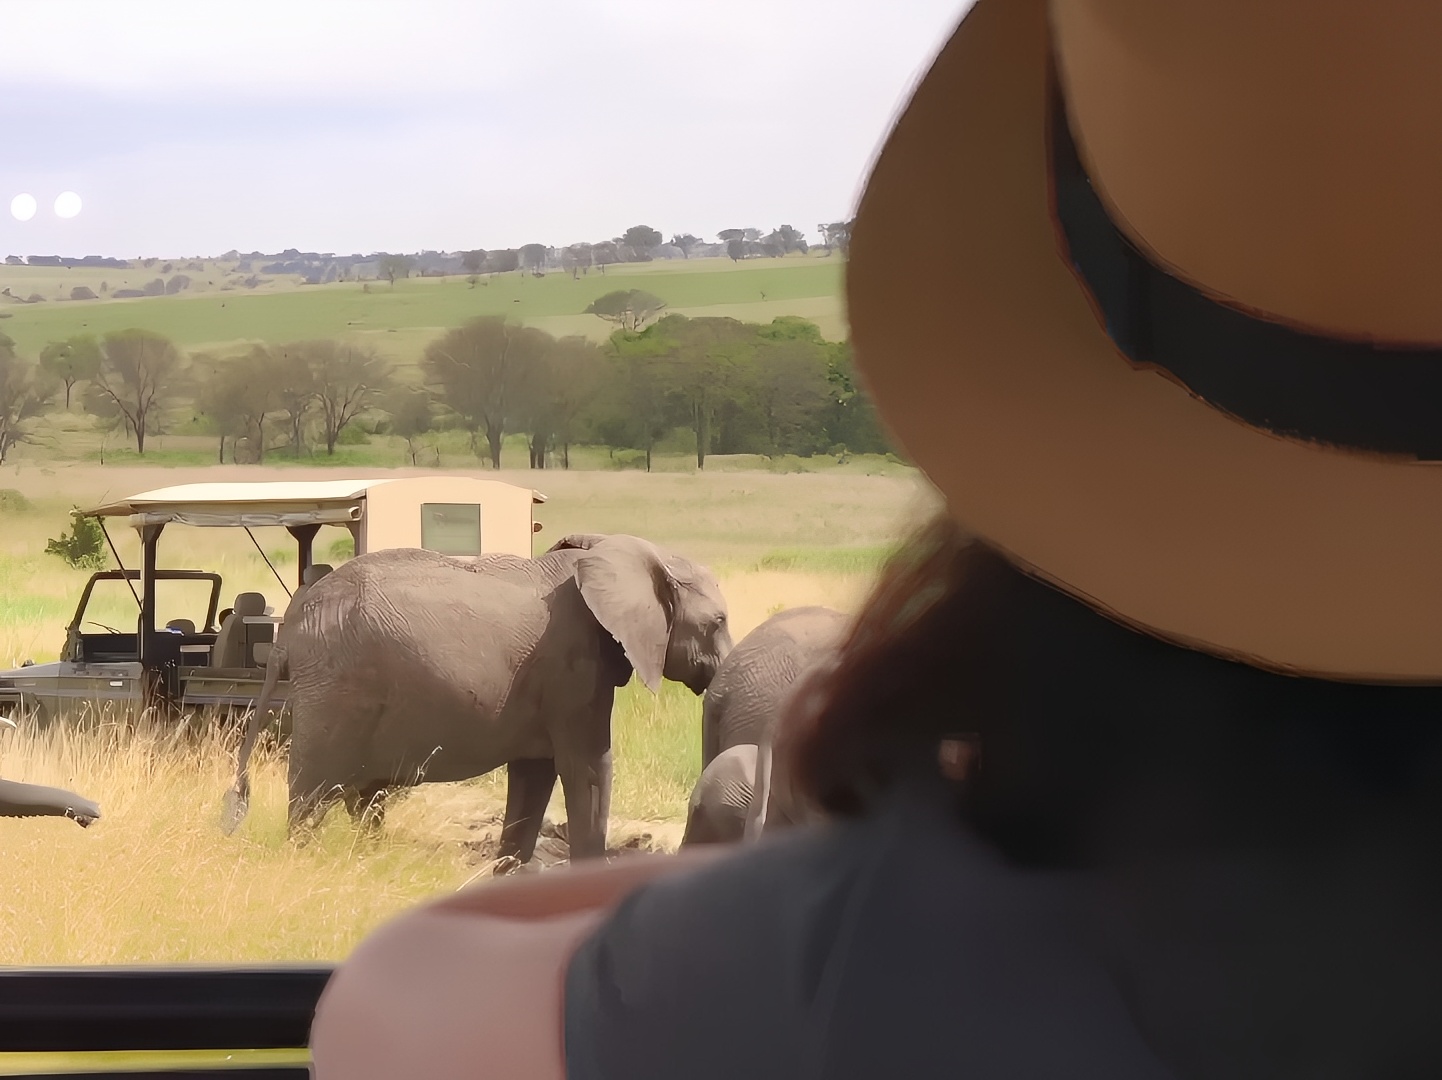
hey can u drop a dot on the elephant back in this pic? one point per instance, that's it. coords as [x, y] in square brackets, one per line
[753, 684]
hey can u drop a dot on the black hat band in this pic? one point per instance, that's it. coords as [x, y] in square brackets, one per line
[1349, 393]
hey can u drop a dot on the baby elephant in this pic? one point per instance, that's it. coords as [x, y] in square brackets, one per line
[743, 706]
[721, 800]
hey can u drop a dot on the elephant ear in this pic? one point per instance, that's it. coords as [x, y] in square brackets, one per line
[582, 541]
[628, 588]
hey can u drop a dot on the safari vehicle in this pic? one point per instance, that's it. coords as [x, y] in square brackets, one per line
[211, 656]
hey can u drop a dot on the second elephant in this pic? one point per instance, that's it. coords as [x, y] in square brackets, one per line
[751, 688]
[742, 709]
[406, 666]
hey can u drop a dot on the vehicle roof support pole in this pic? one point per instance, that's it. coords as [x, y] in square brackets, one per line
[149, 539]
[305, 537]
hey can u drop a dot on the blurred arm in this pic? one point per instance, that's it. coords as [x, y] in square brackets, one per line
[472, 984]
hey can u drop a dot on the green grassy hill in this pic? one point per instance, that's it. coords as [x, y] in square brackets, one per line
[400, 320]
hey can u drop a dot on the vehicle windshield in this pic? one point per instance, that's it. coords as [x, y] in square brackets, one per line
[600, 258]
[113, 608]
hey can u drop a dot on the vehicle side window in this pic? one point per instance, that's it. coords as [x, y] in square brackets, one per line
[451, 528]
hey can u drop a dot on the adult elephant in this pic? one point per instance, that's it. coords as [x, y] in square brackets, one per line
[743, 706]
[406, 667]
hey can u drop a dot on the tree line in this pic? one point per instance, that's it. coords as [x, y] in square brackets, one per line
[736, 387]
[639, 243]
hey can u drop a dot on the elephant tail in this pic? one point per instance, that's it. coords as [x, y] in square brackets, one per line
[32, 800]
[237, 799]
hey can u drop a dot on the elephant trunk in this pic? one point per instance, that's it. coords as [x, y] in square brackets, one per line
[237, 799]
[32, 800]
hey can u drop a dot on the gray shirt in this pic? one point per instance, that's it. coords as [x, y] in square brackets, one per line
[898, 945]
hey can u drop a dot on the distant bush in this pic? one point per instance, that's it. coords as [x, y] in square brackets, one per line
[340, 550]
[12, 502]
[125, 294]
[155, 288]
[83, 547]
[35, 298]
[83, 292]
[176, 284]
[352, 435]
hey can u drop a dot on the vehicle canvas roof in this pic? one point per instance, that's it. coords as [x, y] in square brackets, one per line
[273, 502]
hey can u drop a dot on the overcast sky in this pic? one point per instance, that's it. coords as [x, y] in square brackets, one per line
[189, 128]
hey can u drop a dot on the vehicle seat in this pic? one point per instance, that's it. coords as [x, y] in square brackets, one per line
[314, 572]
[230, 643]
[184, 626]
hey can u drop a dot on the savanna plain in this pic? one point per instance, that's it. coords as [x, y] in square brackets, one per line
[155, 880]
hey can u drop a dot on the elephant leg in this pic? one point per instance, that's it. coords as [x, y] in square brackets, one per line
[308, 805]
[367, 807]
[710, 729]
[529, 782]
[587, 785]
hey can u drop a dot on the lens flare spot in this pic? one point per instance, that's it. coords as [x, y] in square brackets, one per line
[22, 207]
[67, 204]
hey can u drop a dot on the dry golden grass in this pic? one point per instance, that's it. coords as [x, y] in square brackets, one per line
[155, 880]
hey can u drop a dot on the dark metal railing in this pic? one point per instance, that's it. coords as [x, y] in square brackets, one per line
[97, 1013]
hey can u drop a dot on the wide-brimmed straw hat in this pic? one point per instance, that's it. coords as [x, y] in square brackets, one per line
[1152, 292]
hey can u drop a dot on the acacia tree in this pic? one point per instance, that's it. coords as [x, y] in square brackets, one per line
[576, 259]
[605, 254]
[630, 309]
[71, 361]
[533, 256]
[411, 415]
[788, 389]
[394, 266]
[295, 391]
[851, 420]
[705, 361]
[642, 239]
[478, 369]
[503, 262]
[685, 241]
[139, 375]
[205, 370]
[25, 393]
[558, 388]
[637, 405]
[836, 234]
[238, 395]
[340, 379]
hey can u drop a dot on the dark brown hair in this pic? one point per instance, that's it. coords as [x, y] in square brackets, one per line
[1090, 732]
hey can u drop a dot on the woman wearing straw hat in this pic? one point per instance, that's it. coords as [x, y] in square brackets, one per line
[1153, 294]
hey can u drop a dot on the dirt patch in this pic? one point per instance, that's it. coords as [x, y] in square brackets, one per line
[552, 849]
